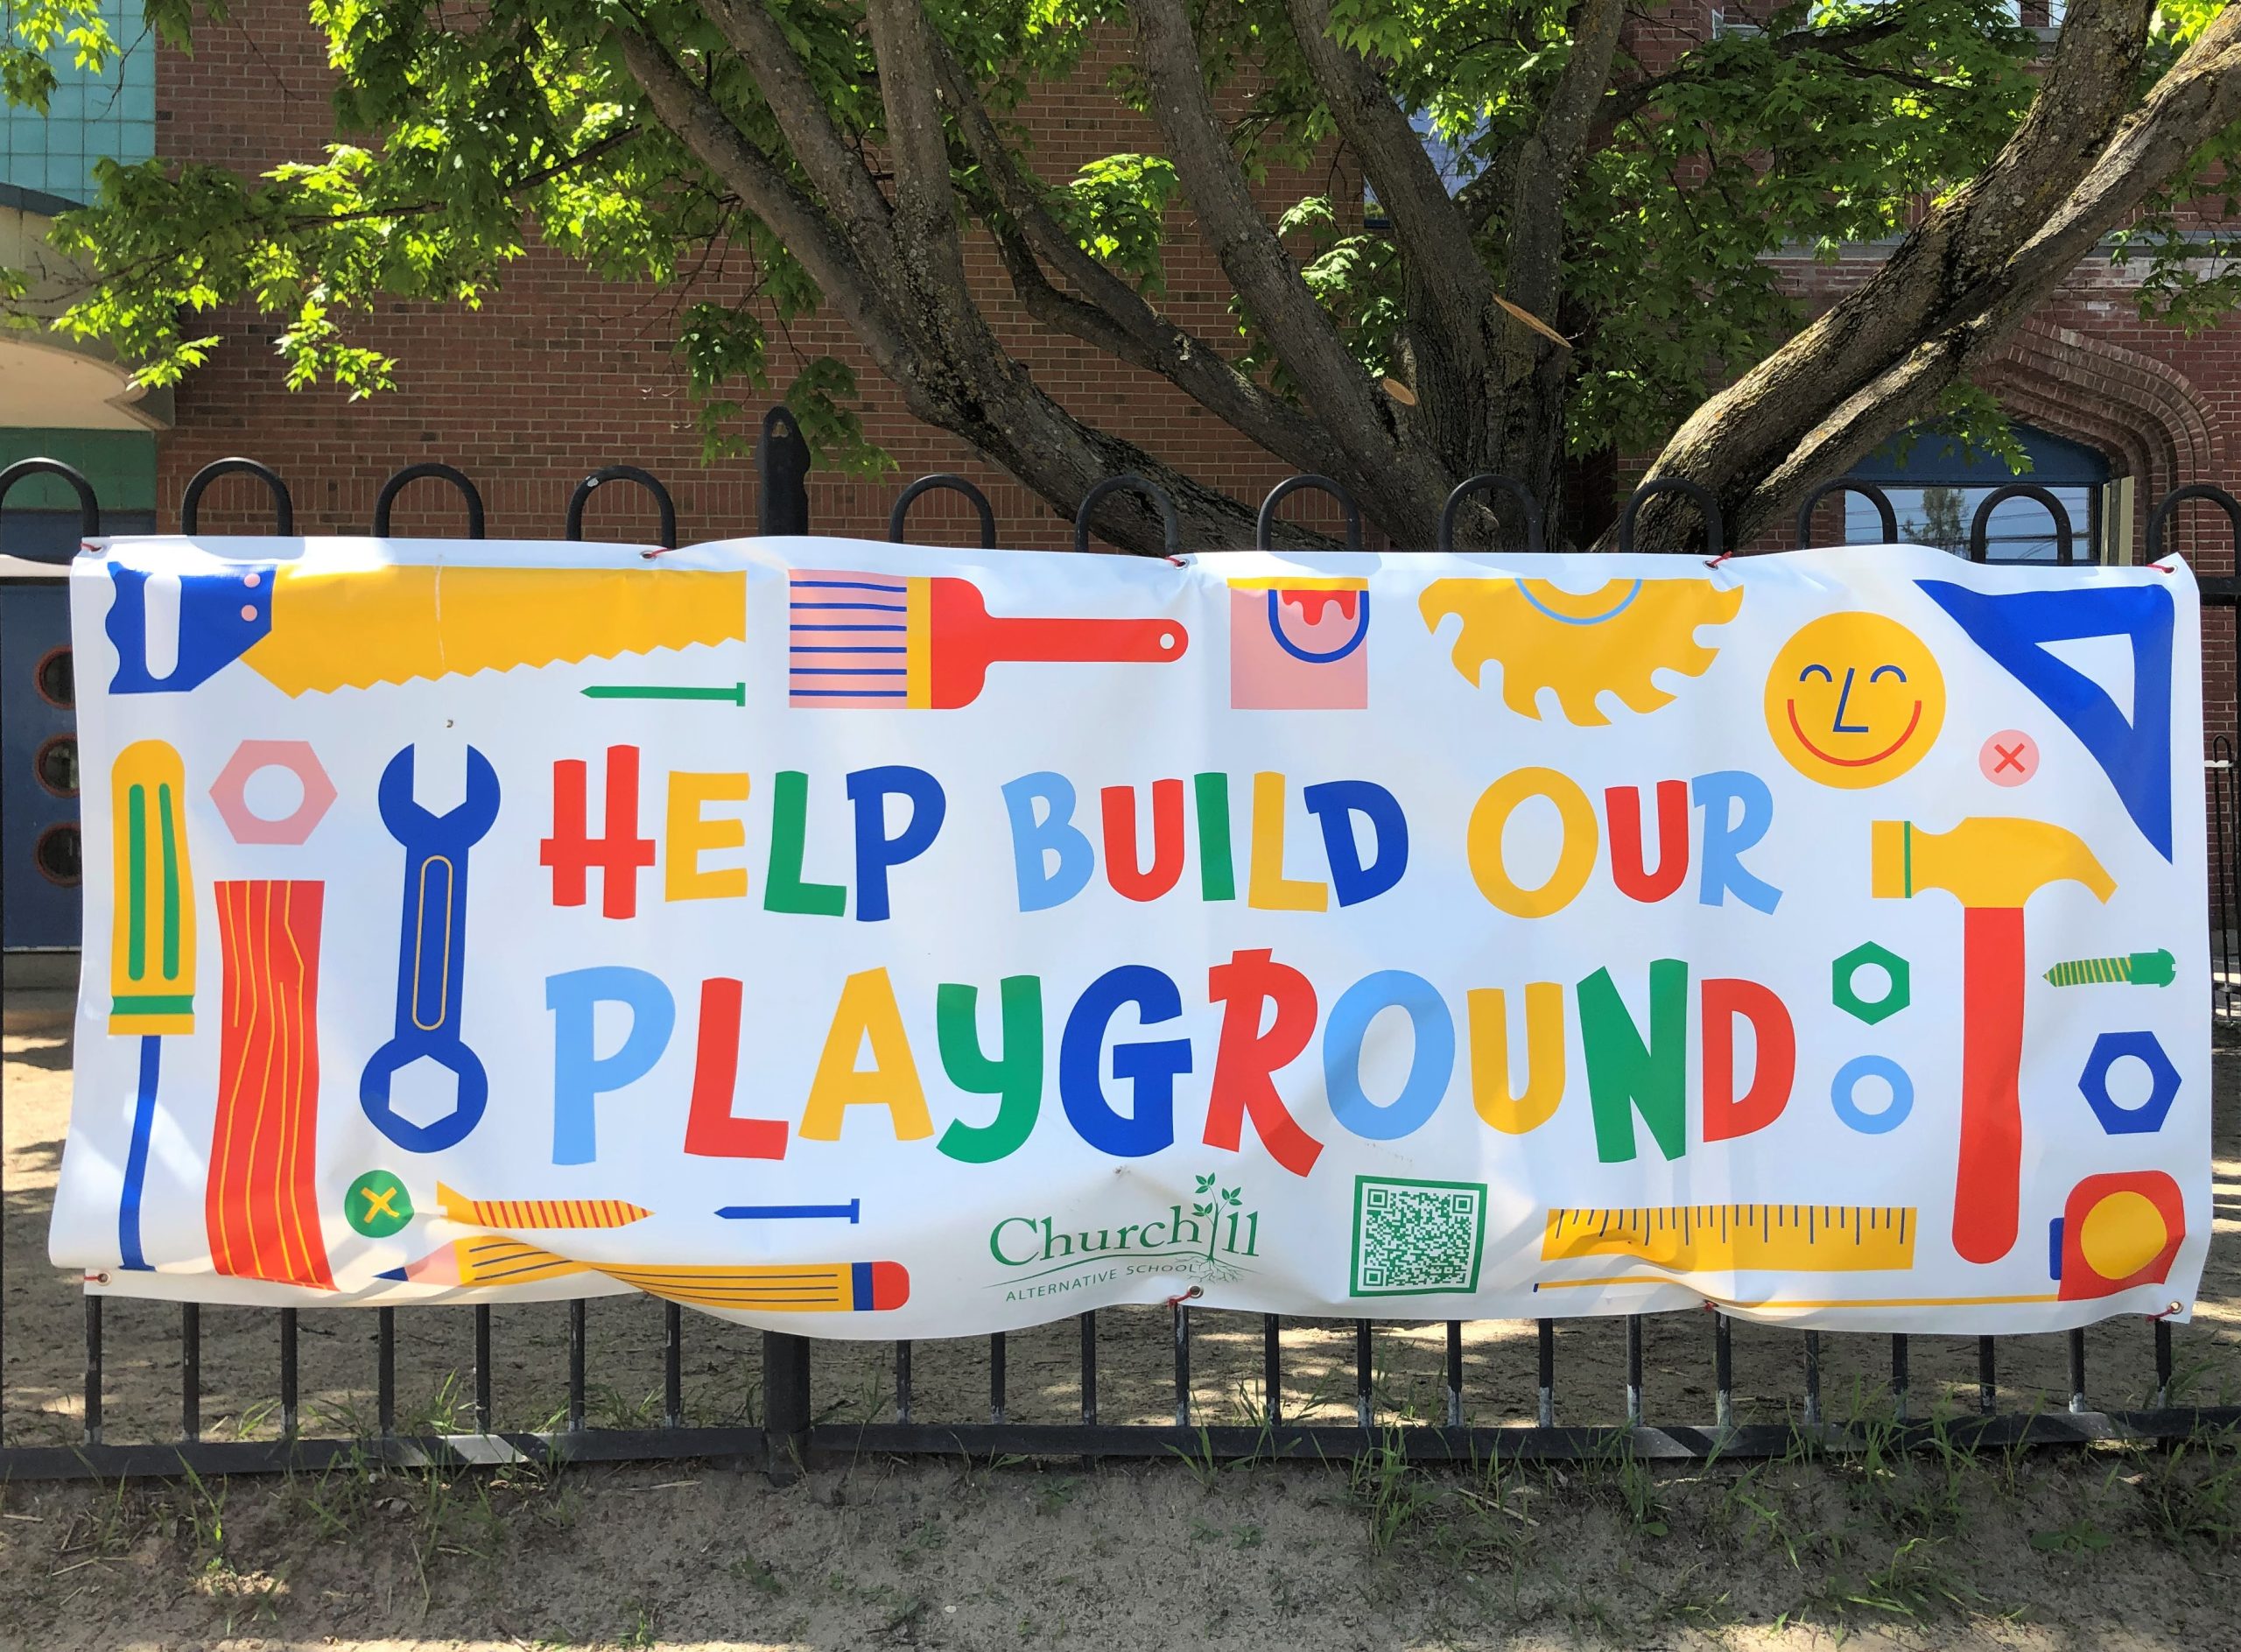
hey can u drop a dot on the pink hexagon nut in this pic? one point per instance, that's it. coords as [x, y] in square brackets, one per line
[229, 790]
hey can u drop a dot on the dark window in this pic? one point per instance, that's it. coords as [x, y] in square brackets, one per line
[56, 679]
[56, 854]
[1936, 487]
[56, 765]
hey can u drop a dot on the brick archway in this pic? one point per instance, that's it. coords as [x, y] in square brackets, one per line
[2140, 411]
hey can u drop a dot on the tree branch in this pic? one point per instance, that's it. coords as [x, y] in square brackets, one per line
[1245, 246]
[957, 378]
[1184, 361]
[1426, 227]
[759, 181]
[1967, 275]
[833, 167]
[905, 46]
[1108, 312]
[1632, 96]
[1548, 159]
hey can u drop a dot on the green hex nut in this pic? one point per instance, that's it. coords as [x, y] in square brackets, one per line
[1871, 1011]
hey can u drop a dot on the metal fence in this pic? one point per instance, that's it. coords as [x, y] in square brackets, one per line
[1476, 1395]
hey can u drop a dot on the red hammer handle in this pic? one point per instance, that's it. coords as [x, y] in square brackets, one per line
[1988, 1186]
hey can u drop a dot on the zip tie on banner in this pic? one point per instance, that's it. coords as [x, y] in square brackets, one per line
[660, 551]
[1192, 1294]
[1713, 562]
[2161, 568]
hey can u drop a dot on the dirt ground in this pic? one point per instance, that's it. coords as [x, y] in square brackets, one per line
[2119, 1549]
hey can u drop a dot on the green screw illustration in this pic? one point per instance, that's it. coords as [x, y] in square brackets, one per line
[2141, 969]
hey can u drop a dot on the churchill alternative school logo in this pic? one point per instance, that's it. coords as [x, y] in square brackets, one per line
[1211, 1239]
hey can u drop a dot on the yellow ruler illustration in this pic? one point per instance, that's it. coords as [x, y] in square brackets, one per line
[1685, 1238]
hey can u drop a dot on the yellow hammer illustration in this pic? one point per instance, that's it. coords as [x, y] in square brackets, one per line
[393, 624]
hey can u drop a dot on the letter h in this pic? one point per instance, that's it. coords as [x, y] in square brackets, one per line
[621, 854]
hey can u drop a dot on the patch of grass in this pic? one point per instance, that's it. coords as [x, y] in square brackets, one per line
[1391, 1493]
[606, 1406]
[114, 1524]
[1620, 1476]
[2081, 1536]
[756, 1575]
[1918, 1580]
[2191, 1491]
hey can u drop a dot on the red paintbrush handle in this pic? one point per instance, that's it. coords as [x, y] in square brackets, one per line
[1039, 639]
[1988, 1186]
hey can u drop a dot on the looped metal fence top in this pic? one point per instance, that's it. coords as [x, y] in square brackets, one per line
[1980, 525]
[411, 473]
[573, 526]
[942, 482]
[1486, 482]
[1886, 519]
[2162, 514]
[1706, 506]
[90, 509]
[1264, 527]
[1129, 481]
[190, 503]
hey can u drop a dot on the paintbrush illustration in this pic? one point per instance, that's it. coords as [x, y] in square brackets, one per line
[914, 642]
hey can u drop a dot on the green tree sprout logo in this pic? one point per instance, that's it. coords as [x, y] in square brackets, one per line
[1213, 1203]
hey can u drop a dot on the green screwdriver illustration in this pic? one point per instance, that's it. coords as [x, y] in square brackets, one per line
[2139, 969]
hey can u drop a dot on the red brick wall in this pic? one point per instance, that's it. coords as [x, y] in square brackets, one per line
[559, 373]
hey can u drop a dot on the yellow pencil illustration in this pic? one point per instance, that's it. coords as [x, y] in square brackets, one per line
[844, 1287]
[488, 1261]
[537, 1213]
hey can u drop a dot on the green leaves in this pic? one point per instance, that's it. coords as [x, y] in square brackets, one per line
[463, 133]
[1116, 208]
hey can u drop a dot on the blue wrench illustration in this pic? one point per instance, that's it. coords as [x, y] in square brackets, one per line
[432, 952]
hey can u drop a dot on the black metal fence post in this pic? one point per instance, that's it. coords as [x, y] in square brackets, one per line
[782, 466]
[785, 1404]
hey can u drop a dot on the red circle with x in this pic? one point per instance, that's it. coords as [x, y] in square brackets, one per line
[2009, 758]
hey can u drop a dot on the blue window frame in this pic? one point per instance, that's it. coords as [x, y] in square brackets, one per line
[90, 115]
[1936, 486]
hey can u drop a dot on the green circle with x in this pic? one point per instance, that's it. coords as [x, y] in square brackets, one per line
[377, 1205]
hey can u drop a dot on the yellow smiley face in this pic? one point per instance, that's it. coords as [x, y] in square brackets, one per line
[1854, 699]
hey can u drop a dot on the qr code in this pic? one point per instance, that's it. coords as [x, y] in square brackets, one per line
[1414, 1239]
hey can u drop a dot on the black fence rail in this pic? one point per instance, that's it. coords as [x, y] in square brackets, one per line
[1136, 1382]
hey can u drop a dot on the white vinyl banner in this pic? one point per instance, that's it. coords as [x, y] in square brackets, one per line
[881, 941]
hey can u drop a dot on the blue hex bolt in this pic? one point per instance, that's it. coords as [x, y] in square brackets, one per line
[2147, 1118]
